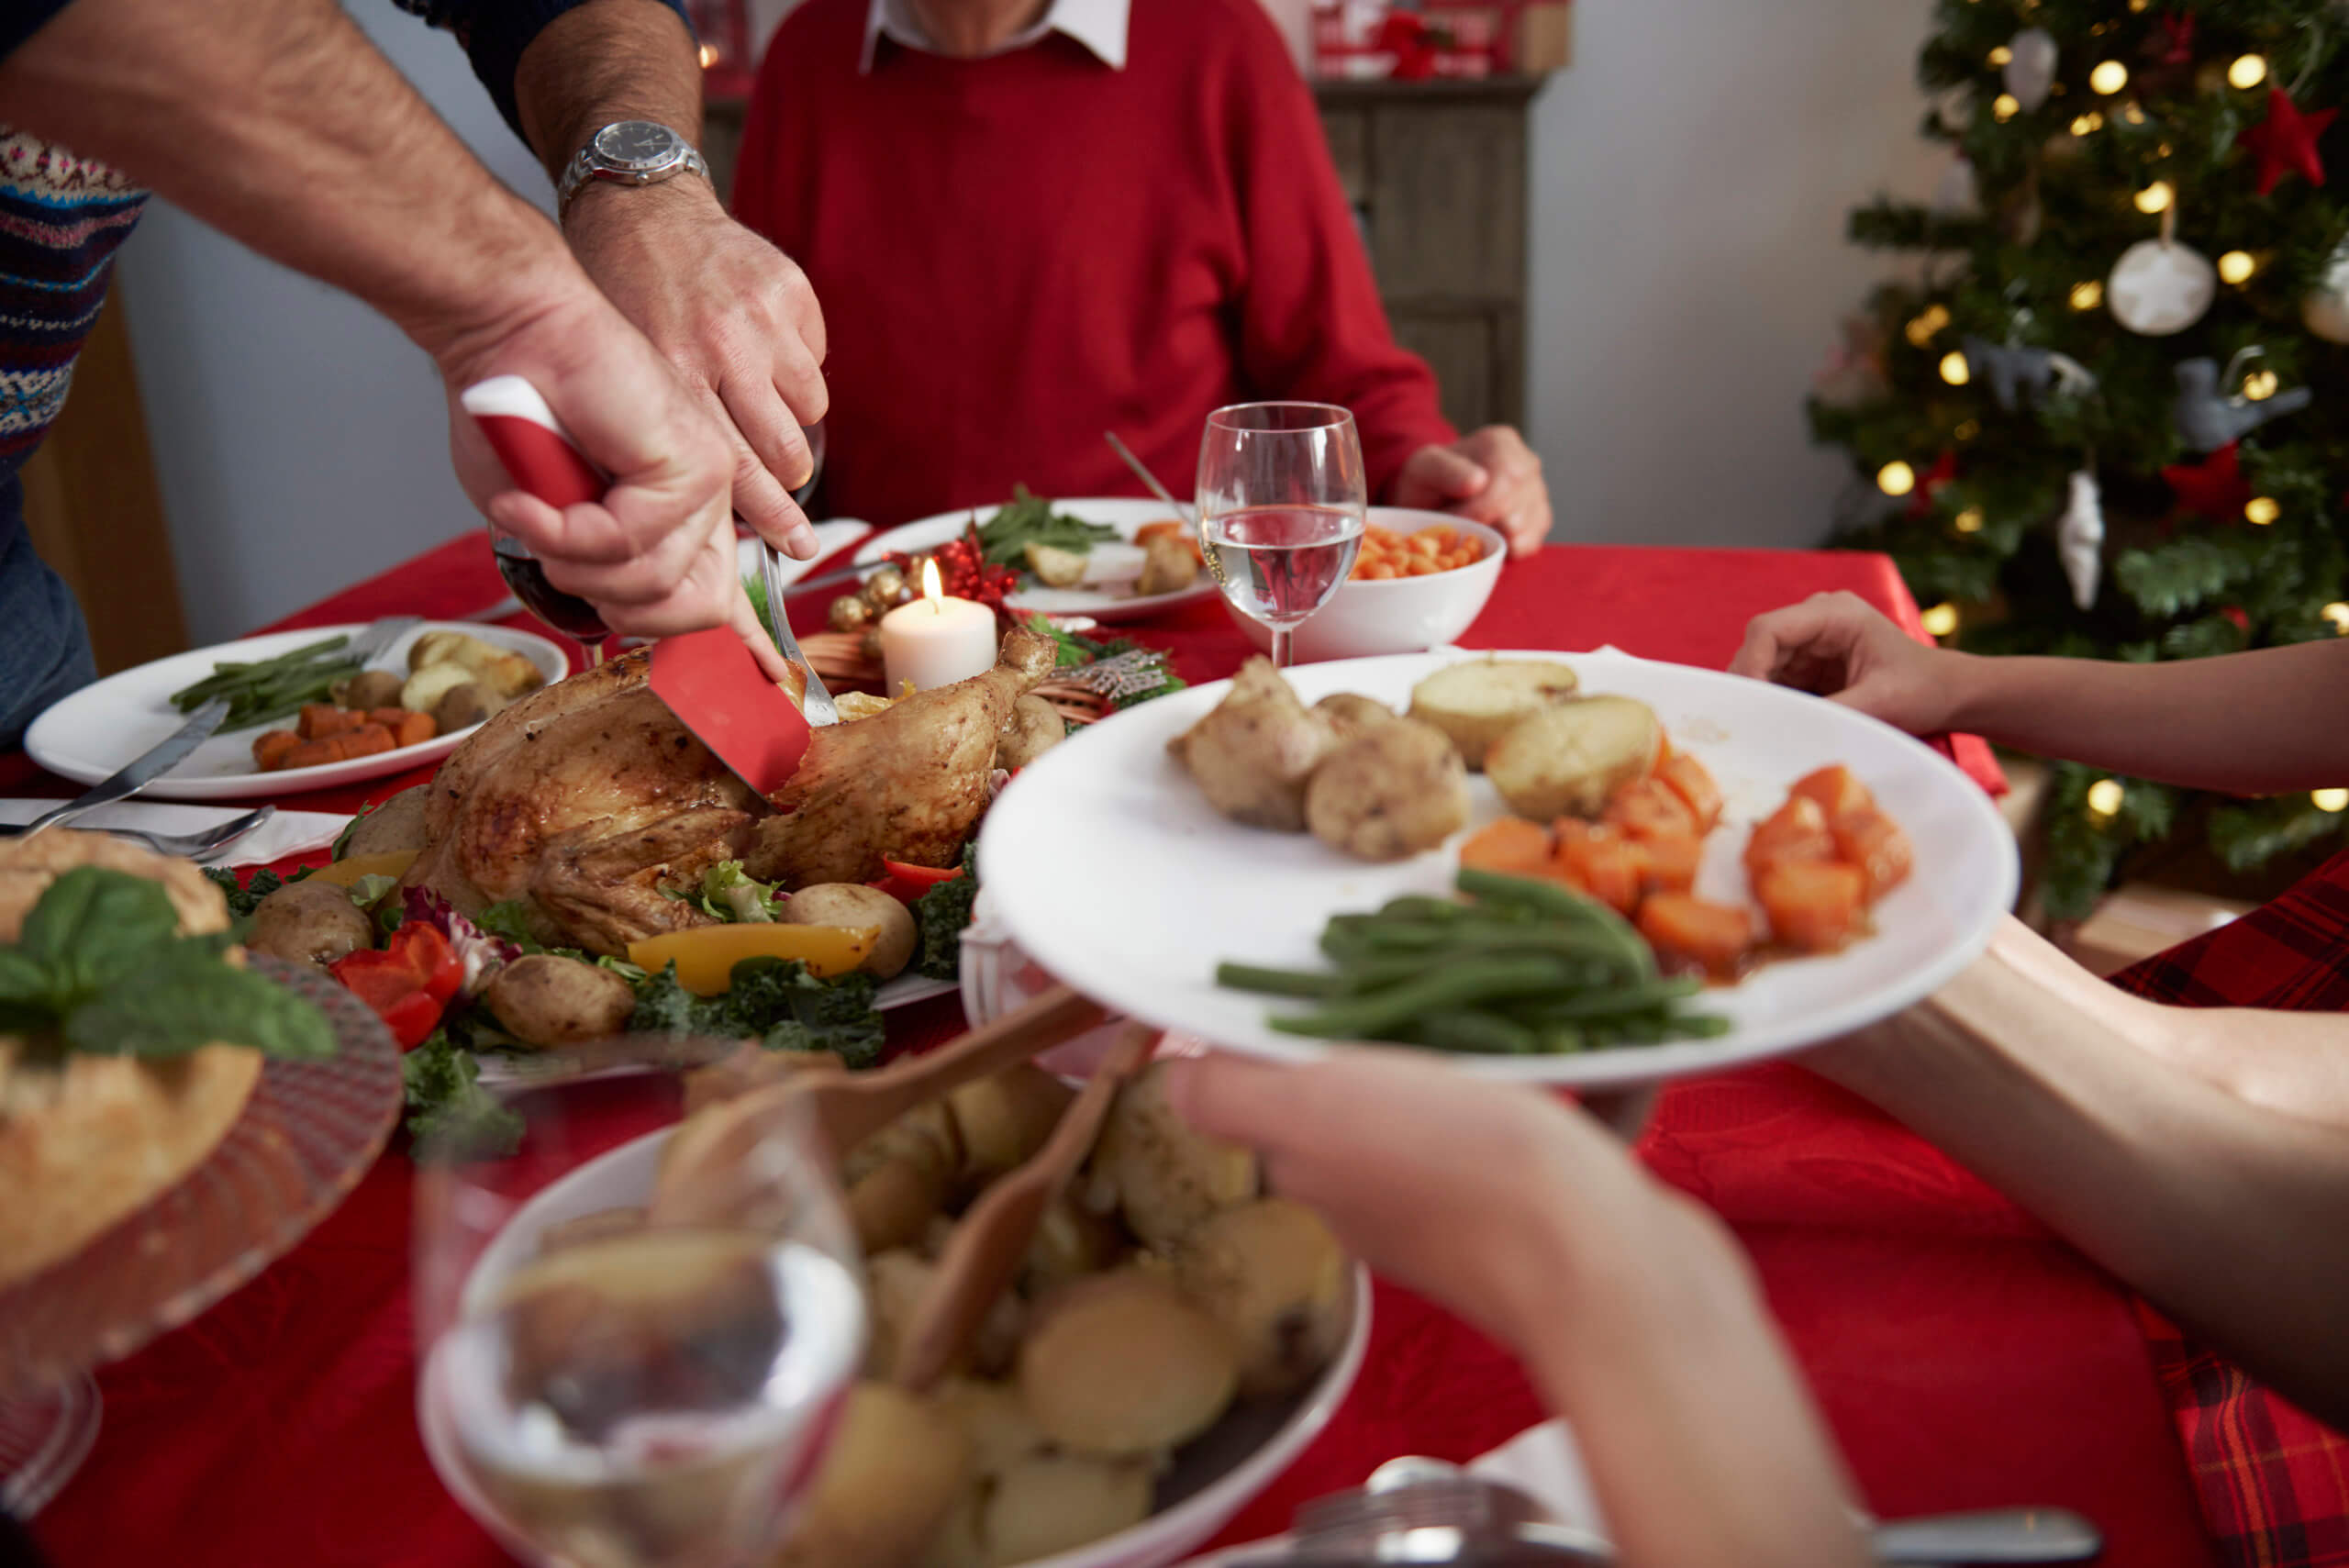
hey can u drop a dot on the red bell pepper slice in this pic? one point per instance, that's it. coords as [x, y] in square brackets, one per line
[907, 882]
[407, 984]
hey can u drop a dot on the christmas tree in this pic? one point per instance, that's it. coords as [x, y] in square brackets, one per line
[2107, 414]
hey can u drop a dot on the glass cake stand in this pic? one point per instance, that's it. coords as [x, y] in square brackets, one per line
[306, 1136]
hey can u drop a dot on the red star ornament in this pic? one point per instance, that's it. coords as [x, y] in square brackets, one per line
[1929, 483]
[2214, 488]
[2285, 142]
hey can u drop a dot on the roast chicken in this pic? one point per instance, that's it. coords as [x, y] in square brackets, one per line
[587, 800]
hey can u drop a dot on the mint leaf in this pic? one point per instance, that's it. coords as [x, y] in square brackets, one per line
[94, 927]
[185, 998]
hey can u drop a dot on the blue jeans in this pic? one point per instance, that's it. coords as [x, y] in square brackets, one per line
[44, 645]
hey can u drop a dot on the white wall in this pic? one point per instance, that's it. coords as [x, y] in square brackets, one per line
[300, 441]
[1690, 184]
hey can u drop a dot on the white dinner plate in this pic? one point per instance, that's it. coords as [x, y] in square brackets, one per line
[1120, 564]
[831, 537]
[89, 736]
[1113, 872]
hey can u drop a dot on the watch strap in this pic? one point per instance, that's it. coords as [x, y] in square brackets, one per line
[583, 166]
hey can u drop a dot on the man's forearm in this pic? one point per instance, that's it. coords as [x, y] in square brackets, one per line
[2233, 1218]
[603, 61]
[278, 123]
[2248, 723]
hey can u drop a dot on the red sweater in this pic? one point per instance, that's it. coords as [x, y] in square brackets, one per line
[1017, 254]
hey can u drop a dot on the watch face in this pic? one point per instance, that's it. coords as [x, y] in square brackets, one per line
[636, 144]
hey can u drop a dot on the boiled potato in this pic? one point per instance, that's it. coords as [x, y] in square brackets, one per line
[891, 1476]
[1253, 754]
[900, 1177]
[1351, 712]
[1568, 761]
[847, 903]
[1053, 1502]
[309, 922]
[546, 1001]
[995, 1421]
[896, 1283]
[1004, 1120]
[367, 689]
[1070, 1243]
[1167, 566]
[1273, 1276]
[1477, 703]
[1055, 568]
[1124, 1364]
[502, 671]
[424, 690]
[395, 826]
[1166, 1178]
[956, 1543]
[462, 707]
[1035, 728]
[1391, 792]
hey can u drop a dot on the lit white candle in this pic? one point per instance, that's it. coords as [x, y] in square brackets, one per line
[935, 640]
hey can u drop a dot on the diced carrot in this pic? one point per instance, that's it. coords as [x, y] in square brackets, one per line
[1601, 863]
[1148, 531]
[313, 754]
[407, 727]
[270, 749]
[1379, 572]
[1796, 831]
[1835, 790]
[1874, 843]
[320, 719]
[1687, 778]
[1815, 905]
[1672, 862]
[1511, 846]
[364, 741]
[1647, 808]
[1714, 935]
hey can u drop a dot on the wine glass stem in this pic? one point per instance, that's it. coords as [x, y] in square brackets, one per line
[1284, 647]
[591, 649]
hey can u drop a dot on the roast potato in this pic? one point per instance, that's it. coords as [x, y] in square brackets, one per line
[462, 707]
[1272, 1274]
[1566, 761]
[853, 905]
[1394, 790]
[1351, 712]
[892, 1472]
[1034, 729]
[309, 922]
[1050, 1503]
[1123, 1364]
[546, 1001]
[1167, 566]
[396, 825]
[501, 671]
[1252, 755]
[424, 691]
[1054, 567]
[1166, 1178]
[1479, 702]
[1005, 1118]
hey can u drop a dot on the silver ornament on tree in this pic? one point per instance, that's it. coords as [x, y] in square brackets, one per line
[2030, 66]
[2015, 371]
[2160, 286]
[2209, 419]
[1957, 195]
[2325, 311]
[2079, 539]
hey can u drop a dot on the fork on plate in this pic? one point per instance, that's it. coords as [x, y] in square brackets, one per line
[187, 846]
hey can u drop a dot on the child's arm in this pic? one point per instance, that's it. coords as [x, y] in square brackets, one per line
[2247, 723]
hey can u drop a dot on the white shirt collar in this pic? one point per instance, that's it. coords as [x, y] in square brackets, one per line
[1098, 25]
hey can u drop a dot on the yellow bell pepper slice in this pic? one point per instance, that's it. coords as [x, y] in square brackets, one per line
[706, 955]
[345, 873]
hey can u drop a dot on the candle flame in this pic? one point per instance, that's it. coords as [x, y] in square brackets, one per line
[932, 589]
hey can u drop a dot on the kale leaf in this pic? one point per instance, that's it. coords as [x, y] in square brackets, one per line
[942, 914]
[244, 900]
[451, 1116]
[774, 1001]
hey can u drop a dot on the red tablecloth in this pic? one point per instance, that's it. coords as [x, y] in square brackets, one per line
[1964, 1357]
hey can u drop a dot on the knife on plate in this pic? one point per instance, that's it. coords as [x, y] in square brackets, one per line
[144, 770]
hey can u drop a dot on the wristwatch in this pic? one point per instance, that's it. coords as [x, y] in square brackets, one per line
[629, 152]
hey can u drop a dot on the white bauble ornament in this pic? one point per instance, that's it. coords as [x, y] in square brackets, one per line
[2079, 539]
[2325, 311]
[2030, 66]
[2159, 287]
[1956, 195]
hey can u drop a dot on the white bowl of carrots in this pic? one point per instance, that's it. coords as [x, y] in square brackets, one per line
[1420, 578]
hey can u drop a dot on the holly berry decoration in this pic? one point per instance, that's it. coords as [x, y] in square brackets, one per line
[964, 572]
[1929, 483]
[2285, 142]
[2213, 488]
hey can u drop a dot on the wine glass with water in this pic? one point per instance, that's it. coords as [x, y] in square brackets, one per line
[1282, 503]
[602, 1393]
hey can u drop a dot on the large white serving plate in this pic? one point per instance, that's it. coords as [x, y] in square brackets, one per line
[89, 736]
[1114, 873]
[1120, 561]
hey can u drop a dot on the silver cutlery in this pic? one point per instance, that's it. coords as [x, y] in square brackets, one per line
[1190, 518]
[371, 644]
[186, 846]
[817, 702]
[144, 770]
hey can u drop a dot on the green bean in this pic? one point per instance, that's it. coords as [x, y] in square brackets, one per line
[1420, 906]
[1279, 981]
[1607, 1002]
[1459, 985]
[229, 673]
[1482, 1033]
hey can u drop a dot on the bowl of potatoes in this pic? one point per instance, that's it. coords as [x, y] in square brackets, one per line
[1174, 1338]
[1409, 613]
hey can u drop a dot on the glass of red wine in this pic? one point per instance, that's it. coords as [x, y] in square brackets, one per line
[566, 613]
[1282, 502]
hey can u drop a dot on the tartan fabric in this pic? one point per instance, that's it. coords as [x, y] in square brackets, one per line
[2273, 1483]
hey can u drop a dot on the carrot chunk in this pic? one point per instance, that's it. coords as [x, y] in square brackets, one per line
[320, 719]
[1601, 863]
[364, 741]
[1511, 846]
[1649, 808]
[1714, 935]
[313, 754]
[1815, 905]
[406, 725]
[1874, 842]
[1687, 778]
[1835, 790]
[1796, 831]
[270, 749]
[1672, 862]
